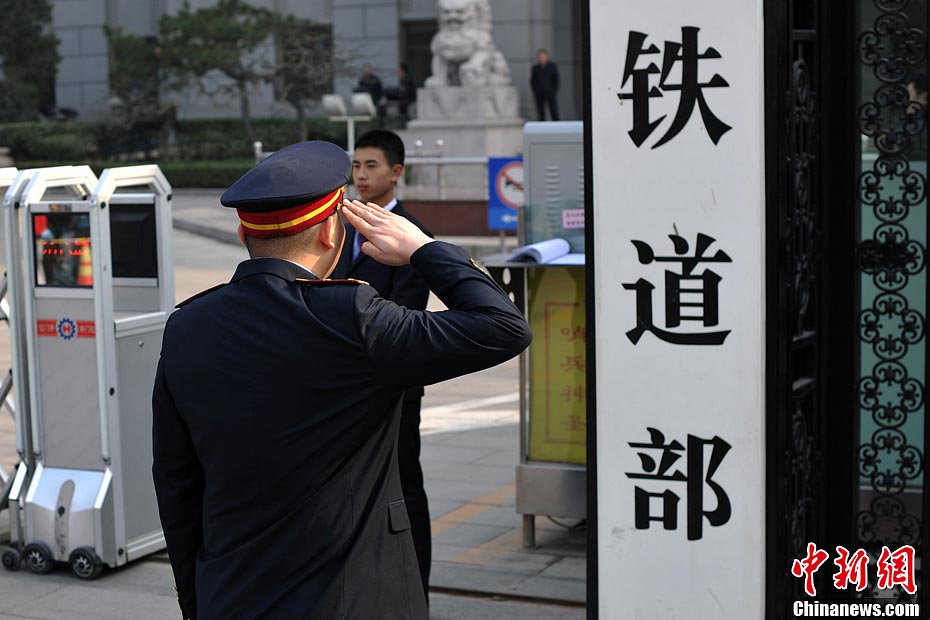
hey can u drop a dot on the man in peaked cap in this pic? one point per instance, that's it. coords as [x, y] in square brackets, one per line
[277, 401]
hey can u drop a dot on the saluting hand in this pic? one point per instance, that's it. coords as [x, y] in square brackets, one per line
[391, 239]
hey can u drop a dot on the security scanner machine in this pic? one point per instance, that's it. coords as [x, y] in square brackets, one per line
[98, 288]
[551, 473]
[74, 182]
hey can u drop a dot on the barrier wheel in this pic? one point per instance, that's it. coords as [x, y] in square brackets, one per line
[11, 559]
[85, 564]
[38, 558]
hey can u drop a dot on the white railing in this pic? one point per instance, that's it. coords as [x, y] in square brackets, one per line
[428, 170]
[427, 173]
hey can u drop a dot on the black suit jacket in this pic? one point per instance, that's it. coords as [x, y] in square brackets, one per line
[544, 79]
[403, 285]
[275, 423]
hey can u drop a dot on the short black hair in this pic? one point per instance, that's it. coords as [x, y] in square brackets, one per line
[542, 50]
[387, 141]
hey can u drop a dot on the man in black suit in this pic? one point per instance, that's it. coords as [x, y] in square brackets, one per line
[277, 400]
[371, 84]
[544, 81]
[377, 163]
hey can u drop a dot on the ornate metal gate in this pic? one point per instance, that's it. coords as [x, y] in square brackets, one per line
[847, 285]
[892, 277]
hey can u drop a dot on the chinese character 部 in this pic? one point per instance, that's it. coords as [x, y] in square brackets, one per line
[696, 476]
[641, 69]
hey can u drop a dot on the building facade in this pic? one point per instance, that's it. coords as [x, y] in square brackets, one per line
[383, 33]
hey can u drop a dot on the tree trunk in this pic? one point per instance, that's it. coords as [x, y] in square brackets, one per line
[245, 109]
[301, 120]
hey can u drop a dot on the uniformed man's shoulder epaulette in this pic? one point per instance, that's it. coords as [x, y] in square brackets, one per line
[200, 294]
[329, 282]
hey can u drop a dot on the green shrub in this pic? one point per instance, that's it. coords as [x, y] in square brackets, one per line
[50, 140]
[179, 173]
[199, 139]
[63, 146]
[204, 173]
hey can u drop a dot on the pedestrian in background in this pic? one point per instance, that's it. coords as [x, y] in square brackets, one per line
[277, 403]
[370, 83]
[544, 81]
[407, 92]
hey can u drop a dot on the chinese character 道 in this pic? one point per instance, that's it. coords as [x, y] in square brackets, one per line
[689, 296]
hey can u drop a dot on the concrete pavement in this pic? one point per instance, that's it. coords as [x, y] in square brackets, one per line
[142, 592]
[470, 449]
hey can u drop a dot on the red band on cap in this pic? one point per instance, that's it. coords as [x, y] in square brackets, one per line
[292, 220]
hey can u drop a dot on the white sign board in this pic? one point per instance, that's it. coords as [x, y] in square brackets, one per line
[677, 169]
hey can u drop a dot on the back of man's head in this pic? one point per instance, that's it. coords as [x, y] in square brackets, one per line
[285, 200]
[291, 247]
[388, 141]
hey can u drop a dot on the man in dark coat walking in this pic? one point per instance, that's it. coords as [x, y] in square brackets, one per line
[277, 401]
[544, 81]
[377, 163]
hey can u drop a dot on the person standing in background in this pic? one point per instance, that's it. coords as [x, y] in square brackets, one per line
[407, 93]
[544, 80]
[377, 163]
[370, 83]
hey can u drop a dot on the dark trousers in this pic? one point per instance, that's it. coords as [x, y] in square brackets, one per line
[553, 101]
[411, 480]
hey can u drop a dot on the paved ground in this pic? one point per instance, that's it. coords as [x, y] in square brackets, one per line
[470, 449]
[142, 592]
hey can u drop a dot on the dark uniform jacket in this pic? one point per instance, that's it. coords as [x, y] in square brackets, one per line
[275, 424]
[544, 79]
[403, 285]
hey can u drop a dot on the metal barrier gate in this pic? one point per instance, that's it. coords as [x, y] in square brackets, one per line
[97, 287]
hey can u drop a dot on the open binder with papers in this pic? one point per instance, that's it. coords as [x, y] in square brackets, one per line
[551, 252]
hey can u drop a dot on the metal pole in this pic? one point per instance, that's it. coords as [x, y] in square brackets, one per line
[350, 126]
[5, 388]
[418, 146]
[440, 171]
[5, 496]
[529, 531]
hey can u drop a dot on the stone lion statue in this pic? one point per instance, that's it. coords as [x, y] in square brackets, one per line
[463, 51]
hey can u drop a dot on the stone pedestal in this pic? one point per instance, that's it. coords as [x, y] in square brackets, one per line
[471, 122]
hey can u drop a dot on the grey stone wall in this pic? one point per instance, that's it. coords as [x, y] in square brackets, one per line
[367, 31]
[521, 28]
[363, 30]
[82, 81]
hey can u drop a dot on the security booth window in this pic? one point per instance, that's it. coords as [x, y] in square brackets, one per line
[62, 249]
[133, 241]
